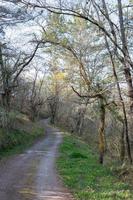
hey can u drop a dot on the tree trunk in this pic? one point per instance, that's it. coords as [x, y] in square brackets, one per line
[102, 132]
[125, 121]
[126, 64]
[6, 99]
[122, 143]
[6, 92]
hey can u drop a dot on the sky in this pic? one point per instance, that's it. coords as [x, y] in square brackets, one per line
[22, 34]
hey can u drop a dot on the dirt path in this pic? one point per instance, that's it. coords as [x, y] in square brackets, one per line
[32, 175]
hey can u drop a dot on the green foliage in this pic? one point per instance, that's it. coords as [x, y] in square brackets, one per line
[85, 176]
[8, 119]
[12, 118]
[15, 141]
[77, 155]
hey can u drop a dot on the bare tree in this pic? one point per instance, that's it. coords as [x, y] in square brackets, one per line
[10, 74]
[36, 101]
[112, 35]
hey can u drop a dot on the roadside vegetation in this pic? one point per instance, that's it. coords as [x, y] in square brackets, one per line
[16, 140]
[86, 178]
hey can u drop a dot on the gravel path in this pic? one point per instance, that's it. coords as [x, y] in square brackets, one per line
[32, 175]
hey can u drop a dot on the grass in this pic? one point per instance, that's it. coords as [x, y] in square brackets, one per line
[86, 178]
[16, 141]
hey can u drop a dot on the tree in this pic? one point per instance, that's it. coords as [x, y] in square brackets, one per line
[36, 100]
[93, 13]
[10, 74]
[96, 60]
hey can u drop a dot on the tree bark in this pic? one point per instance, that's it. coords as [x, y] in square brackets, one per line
[126, 65]
[102, 132]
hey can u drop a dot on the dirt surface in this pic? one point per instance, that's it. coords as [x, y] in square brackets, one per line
[32, 175]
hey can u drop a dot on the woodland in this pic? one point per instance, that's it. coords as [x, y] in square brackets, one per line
[72, 62]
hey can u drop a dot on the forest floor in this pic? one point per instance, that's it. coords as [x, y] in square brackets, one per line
[32, 175]
[85, 177]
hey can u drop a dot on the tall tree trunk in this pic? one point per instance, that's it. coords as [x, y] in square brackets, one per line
[126, 56]
[127, 73]
[102, 132]
[6, 99]
[125, 121]
[6, 92]
[122, 143]
[126, 131]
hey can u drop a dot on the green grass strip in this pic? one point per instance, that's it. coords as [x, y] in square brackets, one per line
[86, 178]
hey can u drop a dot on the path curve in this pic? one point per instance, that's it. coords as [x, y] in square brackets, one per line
[32, 175]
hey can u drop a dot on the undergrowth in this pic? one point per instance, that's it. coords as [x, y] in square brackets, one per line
[16, 140]
[87, 179]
